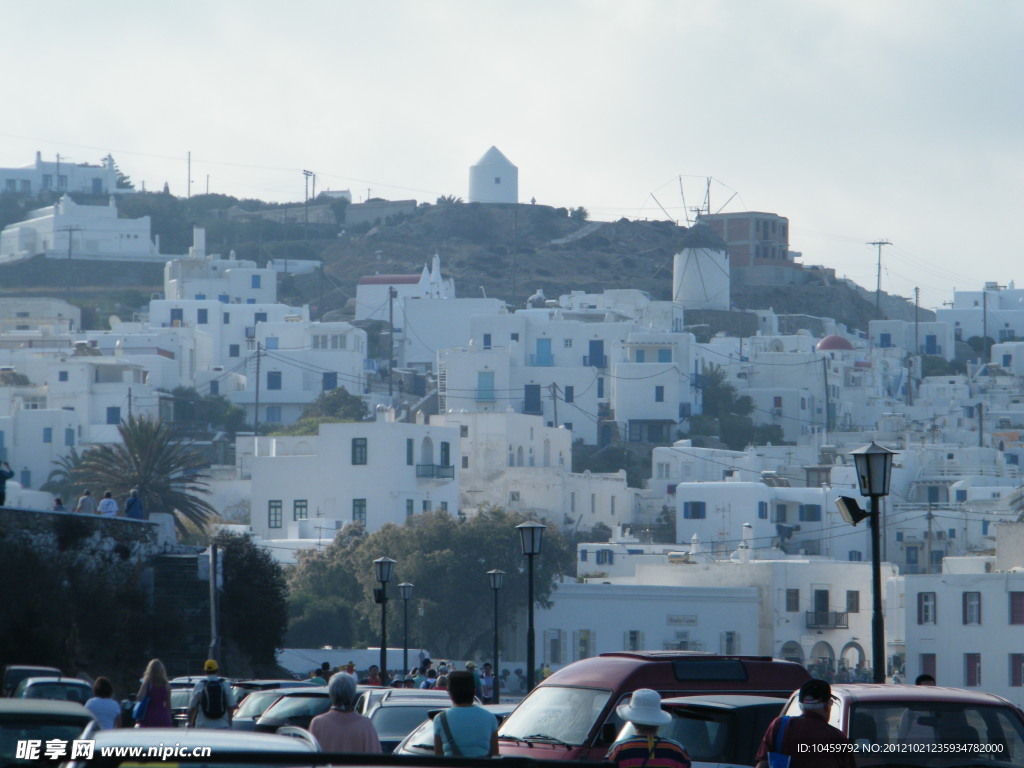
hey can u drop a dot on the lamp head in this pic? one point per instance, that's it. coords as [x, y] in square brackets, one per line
[874, 469]
[850, 510]
[496, 577]
[531, 534]
[405, 590]
[384, 566]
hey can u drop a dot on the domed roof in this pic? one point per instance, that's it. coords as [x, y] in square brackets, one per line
[702, 236]
[832, 343]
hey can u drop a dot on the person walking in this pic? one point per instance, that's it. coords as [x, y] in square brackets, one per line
[156, 686]
[107, 506]
[341, 728]
[103, 705]
[211, 702]
[826, 747]
[464, 729]
[6, 473]
[86, 503]
[646, 747]
[133, 506]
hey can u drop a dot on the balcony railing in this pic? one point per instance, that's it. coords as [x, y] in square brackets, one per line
[485, 396]
[435, 472]
[828, 620]
[542, 361]
[595, 361]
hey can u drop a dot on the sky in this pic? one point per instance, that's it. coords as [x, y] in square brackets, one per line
[859, 121]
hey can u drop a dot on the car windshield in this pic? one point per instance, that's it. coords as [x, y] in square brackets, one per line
[398, 721]
[423, 736]
[256, 703]
[916, 722]
[557, 712]
[59, 692]
[297, 706]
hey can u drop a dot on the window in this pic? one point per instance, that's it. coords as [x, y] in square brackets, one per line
[464, 430]
[600, 386]
[47, 434]
[926, 613]
[776, 402]
[62, 375]
[465, 462]
[410, 508]
[810, 513]
[972, 670]
[232, 350]
[69, 437]
[444, 506]
[359, 511]
[553, 643]
[514, 337]
[273, 342]
[273, 379]
[567, 343]
[927, 664]
[409, 451]
[274, 414]
[446, 454]
[694, 510]
[762, 510]
[113, 415]
[300, 509]
[202, 316]
[584, 643]
[570, 394]
[664, 355]
[1017, 607]
[730, 643]
[260, 317]
[1016, 670]
[485, 386]
[487, 341]
[425, 505]
[634, 640]
[855, 556]
[641, 356]
[214, 387]
[329, 381]
[255, 281]
[852, 601]
[359, 450]
[792, 601]
[780, 513]
[912, 555]
[972, 607]
[659, 394]
[274, 514]
[583, 555]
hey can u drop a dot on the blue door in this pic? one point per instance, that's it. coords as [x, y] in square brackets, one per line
[543, 356]
[595, 358]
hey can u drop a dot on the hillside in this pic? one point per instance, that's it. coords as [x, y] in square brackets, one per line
[502, 251]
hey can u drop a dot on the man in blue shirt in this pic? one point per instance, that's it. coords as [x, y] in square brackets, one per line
[465, 730]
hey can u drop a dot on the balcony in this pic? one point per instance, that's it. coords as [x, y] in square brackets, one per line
[828, 620]
[435, 472]
[542, 361]
[595, 361]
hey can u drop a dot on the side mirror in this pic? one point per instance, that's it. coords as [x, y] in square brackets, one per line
[608, 733]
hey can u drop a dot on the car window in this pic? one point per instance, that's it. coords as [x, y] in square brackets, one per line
[256, 703]
[59, 692]
[390, 721]
[917, 722]
[297, 706]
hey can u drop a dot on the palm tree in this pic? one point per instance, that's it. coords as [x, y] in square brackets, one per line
[166, 472]
[63, 480]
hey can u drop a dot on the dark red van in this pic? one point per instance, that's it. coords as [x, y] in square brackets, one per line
[571, 715]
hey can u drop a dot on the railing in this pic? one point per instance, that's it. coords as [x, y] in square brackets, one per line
[827, 620]
[435, 472]
[541, 361]
[595, 361]
[485, 396]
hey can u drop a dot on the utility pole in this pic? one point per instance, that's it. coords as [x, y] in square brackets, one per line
[878, 285]
[392, 293]
[129, 403]
[981, 425]
[828, 405]
[984, 326]
[67, 272]
[554, 402]
[57, 180]
[256, 414]
[928, 562]
[188, 191]
[305, 233]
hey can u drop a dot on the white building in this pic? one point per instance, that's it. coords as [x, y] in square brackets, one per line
[700, 270]
[380, 297]
[33, 439]
[929, 338]
[90, 232]
[48, 315]
[424, 327]
[493, 179]
[229, 281]
[58, 176]
[996, 311]
[337, 476]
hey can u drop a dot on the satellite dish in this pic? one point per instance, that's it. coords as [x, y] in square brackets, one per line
[114, 321]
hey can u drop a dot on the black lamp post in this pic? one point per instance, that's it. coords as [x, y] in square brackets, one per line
[405, 590]
[531, 534]
[496, 577]
[384, 566]
[874, 470]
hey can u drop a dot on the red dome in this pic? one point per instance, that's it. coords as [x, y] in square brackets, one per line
[832, 343]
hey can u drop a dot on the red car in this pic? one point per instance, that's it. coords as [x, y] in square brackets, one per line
[923, 725]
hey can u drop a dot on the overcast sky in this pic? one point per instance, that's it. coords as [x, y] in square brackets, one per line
[859, 121]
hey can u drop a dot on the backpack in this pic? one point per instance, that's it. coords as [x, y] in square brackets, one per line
[213, 700]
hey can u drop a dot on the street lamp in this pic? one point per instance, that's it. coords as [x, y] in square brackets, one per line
[384, 566]
[530, 534]
[496, 577]
[405, 590]
[874, 470]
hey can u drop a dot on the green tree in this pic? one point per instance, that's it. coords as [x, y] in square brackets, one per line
[62, 480]
[166, 472]
[579, 214]
[254, 586]
[338, 404]
[192, 408]
[123, 181]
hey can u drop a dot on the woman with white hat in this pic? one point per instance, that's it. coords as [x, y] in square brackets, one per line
[646, 749]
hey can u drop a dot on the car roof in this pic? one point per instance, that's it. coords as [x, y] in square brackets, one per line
[722, 701]
[44, 707]
[218, 739]
[271, 684]
[878, 692]
[19, 667]
[52, 680]
[315, 690]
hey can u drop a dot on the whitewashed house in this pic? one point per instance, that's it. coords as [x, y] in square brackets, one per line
[379, 297]
[203, 276]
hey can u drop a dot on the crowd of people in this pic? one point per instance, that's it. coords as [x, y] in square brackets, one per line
[427, 676]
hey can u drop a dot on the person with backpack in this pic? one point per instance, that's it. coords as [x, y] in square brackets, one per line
[211, 702]
[806, 740]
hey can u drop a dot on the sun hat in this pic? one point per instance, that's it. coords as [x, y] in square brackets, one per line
[644, 708]
[470, 665]
[210, 666]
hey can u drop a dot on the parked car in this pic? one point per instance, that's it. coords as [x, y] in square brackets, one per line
[923, 725]
[395, 717]
[15, 673]
[296, 707]
[180, 698]
[255, 704]
[242, 688]
[571, 714]
[372, 696]
[42, 720]
[220, 741]
[421, 740]
[717, 731]
[54, 688]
